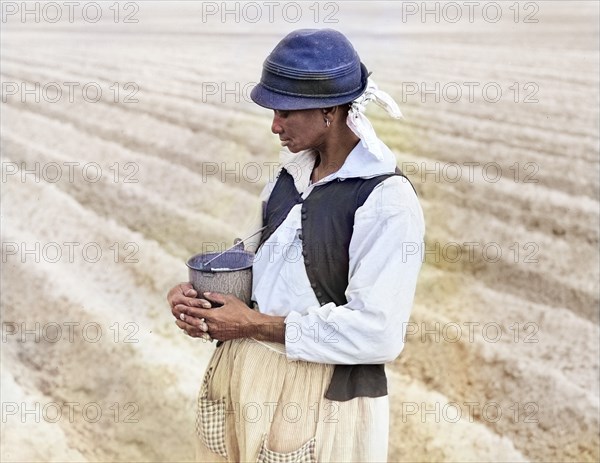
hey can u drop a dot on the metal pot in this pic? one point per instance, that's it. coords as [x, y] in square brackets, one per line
[229, 273]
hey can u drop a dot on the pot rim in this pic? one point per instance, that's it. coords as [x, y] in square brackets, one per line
[217, 270]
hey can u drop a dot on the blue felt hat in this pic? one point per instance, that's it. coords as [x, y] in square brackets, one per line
[311, 68]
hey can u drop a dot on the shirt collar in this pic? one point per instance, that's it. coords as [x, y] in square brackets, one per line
[359, 163]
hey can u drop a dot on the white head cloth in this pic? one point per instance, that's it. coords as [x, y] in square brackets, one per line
[360, 124]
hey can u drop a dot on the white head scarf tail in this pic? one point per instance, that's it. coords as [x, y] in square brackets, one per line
[360, 124]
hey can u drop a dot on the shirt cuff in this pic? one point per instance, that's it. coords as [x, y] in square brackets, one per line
[300, 342]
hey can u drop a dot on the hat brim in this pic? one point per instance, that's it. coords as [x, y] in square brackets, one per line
[270, 99]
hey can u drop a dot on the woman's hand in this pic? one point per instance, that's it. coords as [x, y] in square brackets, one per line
[184, 295]
[234, 319]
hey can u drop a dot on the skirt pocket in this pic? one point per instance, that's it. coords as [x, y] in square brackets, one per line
[305, 454]
[210, 421]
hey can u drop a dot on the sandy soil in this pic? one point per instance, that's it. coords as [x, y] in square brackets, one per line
[501, 361]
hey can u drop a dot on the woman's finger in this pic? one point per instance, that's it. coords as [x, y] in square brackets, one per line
[194, 321]
[189, 292]
[191, 311]
[191, 330]
[215, 297]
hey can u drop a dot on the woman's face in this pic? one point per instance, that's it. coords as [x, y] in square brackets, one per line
[300, 129]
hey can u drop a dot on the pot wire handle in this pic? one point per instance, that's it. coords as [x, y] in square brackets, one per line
[236, 243]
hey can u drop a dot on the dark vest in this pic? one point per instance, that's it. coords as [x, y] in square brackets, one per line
[327, 224]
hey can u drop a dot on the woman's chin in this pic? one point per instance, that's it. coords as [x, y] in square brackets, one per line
[293, 149]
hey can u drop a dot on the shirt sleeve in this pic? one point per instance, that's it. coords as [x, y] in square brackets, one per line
[385, 259]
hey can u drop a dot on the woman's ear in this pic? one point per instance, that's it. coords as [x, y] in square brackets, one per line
[331, 111]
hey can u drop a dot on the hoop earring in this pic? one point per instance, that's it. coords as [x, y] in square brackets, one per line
[327, 122]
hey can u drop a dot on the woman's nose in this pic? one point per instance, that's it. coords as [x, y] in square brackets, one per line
[276, 127]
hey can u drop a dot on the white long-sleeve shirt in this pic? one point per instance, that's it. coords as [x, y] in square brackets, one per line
[385, 259]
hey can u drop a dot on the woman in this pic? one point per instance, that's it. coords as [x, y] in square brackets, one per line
[302, 377]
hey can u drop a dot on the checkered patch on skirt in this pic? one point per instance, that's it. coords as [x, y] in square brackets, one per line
[210, 420]
[305, 454]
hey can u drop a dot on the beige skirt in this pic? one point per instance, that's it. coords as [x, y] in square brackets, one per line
[255, 405]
